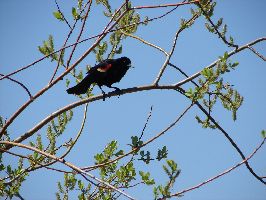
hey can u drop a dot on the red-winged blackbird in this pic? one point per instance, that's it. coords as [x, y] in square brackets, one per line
[105, 73]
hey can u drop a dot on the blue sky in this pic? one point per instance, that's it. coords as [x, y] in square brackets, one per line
[200, 153]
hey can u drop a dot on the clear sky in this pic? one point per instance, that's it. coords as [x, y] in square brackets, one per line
[200, 153]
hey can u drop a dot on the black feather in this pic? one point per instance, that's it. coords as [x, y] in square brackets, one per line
[105, 73]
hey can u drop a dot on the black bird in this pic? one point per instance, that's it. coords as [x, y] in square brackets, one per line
[106, 73]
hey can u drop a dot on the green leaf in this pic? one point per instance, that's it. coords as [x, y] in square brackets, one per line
[235, 64]
[58, 16]
[75, 14]
[119, 153]
[9, 170]
[162, 153]
[231, 40]
[219, 23]
[146, 178]
[263, 133]
[189, 93]
[225, 55]
[119, 50]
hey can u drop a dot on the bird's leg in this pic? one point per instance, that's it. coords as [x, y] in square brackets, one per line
[116, 89]
[102, 92]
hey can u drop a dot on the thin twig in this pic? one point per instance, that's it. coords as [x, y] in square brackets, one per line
[145, 42]
[215, 28]
[80, 33]
[68, 36]
[182, 72]
[195, 16]
[59, 10]
[21, 84]
[145, 143]
[215, 62]
[165, 5]
[257, 53]
[145, 125]
[221, 174]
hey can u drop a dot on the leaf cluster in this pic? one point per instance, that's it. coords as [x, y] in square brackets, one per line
[212, 87]
[172, 171]
[16, 177]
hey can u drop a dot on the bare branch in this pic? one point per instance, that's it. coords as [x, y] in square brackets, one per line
[21, 84]
[172, 49]
[145, 42]
[215, 62]
[80, 33]
[221, 174]
[166, 5]
[59, 10]
[231, 141]
[257, 53]
[145, 125]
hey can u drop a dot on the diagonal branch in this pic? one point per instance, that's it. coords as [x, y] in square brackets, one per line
[221, 174]
[215, 62]
[59, 10]
[225, 134]
[145, 42]
[166, 5]
[195, 16]
[231, 141]
[70, 165]
[215, 28]
[68, 36]
[257, 53]
[21, 84]
[146, 123]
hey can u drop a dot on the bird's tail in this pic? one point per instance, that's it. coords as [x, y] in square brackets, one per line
[80, 88]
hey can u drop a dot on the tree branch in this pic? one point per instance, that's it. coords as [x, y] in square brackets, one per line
[257, 53]
[70, 165]
[21, 84]
[172, 49]
[231, 141]
[217, 31]
[215, 62]
[221, 174]
[166, 5]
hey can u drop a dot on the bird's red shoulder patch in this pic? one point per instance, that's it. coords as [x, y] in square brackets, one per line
[104, 68]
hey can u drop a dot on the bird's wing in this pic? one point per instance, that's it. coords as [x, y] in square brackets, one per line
[102, 66]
